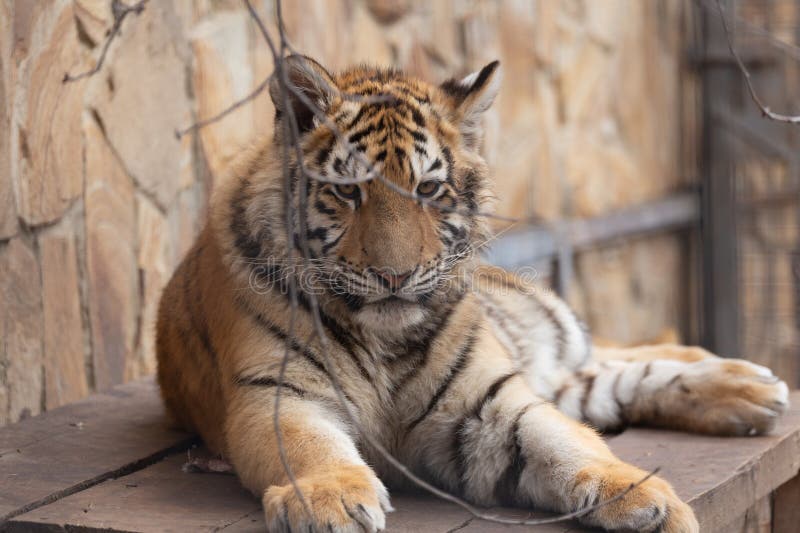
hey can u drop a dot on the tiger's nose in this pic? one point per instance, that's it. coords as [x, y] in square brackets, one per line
[390, 279]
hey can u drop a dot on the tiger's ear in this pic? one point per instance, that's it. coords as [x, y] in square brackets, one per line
[471, 97]
[309, 78]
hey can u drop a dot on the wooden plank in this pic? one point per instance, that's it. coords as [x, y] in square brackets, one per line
[716, 474]
[757, 519]
[79, 445]
[786, 507]
[162, 497]
[159, 498]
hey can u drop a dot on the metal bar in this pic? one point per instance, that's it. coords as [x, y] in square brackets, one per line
[538, 243]
[718, 236]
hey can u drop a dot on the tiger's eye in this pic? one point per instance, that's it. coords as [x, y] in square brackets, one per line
[348, 191]
[428, 188]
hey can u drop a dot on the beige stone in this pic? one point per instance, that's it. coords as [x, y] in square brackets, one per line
[155, 267]
[369, 42]
[308, 25]
[388, 11]
[141, 98]
[8, 211]
[95, 19]
[22, 328]
[185, 218]
[49, 140]
[64, 368]
[110, 259]
[581, 84]
[223, 74]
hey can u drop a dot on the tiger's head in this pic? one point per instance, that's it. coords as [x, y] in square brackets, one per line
[395, 183]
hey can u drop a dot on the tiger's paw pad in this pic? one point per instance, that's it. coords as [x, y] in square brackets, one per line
[350, 499]
[734, 397]
[651, 506]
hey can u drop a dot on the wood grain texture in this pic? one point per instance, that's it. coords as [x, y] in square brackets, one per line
[81, 444]
[786, 507]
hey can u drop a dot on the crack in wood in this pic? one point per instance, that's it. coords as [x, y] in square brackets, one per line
[124, 470]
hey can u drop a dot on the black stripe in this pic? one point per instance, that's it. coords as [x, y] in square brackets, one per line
[448, 157]
[361, 112]
[561, 391]
[561, 334]
[507, 485]
[484, 75]
[325, 152]
[501, 320]
[587, 391]
[353, 302]
[460, 363]
[338, 166]
[422, 346]
[339, 334]
[327, 247]
[493, 390]
[265, 381]
[320, 233]
[324, 209]
[418, 136]
[293, 344]
[469, 189]
[357, 136]
[419, 120]
[460, 436]
[309, 355]
[247, 246]
[623, 418]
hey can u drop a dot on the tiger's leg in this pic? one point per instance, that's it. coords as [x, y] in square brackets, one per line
[494, 441]
[341, 491]
[678, 387]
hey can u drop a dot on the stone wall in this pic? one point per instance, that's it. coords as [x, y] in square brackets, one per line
[99, 200]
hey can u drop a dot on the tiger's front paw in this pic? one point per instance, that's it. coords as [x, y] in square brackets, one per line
[731, 397]
[651, 506]
[349, 499]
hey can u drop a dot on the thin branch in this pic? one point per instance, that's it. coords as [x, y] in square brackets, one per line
[119, 10]
[766, 111]
[225, 112]
[789, 49]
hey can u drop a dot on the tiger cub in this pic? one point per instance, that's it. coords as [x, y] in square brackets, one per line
[477, 381]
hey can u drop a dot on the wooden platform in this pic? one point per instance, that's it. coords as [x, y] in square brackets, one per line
[110, 463]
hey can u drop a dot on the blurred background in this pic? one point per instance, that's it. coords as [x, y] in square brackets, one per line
[651, 192]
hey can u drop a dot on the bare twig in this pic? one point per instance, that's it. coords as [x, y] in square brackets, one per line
[119, 10]
[225, 112]
[789, 49]
[766, 111]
